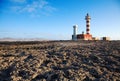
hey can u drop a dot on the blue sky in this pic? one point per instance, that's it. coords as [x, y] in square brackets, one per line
[53, 19]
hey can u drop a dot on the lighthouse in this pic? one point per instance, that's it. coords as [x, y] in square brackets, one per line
[87, 35]
[74, 36]
[87, 18]
[83, 36]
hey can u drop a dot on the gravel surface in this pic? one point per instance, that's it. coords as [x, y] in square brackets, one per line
[60, 61]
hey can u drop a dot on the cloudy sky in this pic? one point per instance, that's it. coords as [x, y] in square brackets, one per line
[53, 19]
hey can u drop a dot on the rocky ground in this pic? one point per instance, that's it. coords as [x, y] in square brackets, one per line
[60, 61]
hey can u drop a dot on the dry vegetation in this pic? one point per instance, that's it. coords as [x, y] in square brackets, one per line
[60, 61]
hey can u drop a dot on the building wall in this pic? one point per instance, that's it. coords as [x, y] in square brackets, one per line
[84, 36]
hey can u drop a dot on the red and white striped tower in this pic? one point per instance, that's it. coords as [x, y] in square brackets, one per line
[87, 18]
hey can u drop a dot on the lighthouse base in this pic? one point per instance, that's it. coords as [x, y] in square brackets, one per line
[84, 37]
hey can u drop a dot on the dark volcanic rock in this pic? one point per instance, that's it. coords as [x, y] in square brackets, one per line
[60, 61]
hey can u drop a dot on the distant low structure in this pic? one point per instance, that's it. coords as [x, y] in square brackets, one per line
[106, 38]
[95, 38]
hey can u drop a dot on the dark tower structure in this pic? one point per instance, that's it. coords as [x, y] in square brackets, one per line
[86, 36]
[87, 18]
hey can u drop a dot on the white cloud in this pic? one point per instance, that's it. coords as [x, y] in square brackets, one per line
[49, 8]
[32, 7]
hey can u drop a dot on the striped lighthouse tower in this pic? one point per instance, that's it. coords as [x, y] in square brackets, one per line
[87, 18]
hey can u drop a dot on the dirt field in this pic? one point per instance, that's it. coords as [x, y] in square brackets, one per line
[60, 61]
